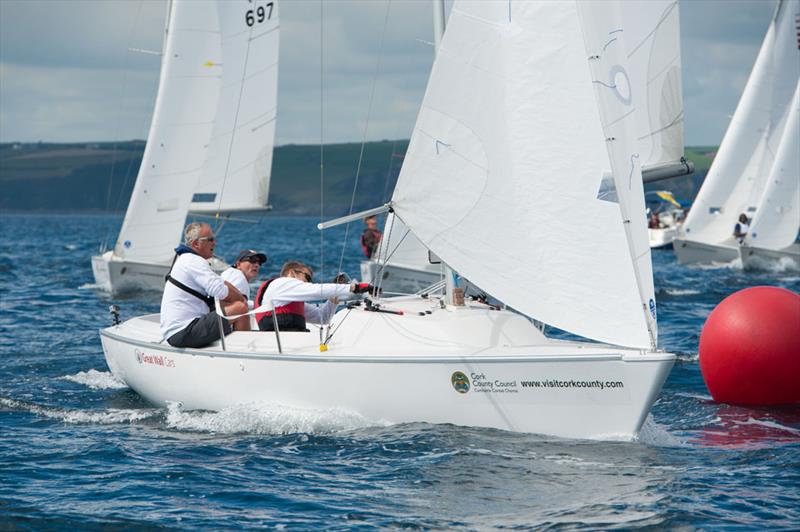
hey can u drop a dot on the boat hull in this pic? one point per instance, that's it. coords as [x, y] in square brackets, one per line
[399, 279]
[558, 388]
[661, 238]
[754, 258]
[119, 276]
[692, 252]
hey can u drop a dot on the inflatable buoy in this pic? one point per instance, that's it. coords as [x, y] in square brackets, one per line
[750, 348]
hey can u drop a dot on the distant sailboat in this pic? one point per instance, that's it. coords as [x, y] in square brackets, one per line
[654, 52]
[209, 150]
[758, 158]
[515, 91]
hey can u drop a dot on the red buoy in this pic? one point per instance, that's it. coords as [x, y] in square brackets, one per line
[750, 348]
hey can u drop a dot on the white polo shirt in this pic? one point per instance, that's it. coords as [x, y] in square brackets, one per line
[237, 278]
[178, 307]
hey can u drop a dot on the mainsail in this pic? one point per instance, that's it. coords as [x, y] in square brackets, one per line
[182, 122]
[237, 172]
[777, 219]
[737, 178]
[504, 166]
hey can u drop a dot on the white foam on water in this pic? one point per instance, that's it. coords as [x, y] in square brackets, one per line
[735, 264]
[265, 418]
[100, 417]
[682, 292]
[656, 435]
[91, 286]
[70, 247]
[97, 380]
[770, 425]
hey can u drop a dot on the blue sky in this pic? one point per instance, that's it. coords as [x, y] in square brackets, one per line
[66, 72]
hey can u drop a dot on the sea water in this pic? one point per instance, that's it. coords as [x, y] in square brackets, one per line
[78, 449]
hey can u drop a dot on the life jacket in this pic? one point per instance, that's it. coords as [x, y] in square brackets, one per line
[180, 250]
[290, 317]
[368, 248]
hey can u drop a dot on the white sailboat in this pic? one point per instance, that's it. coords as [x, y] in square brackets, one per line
[515, 90]
[654, 53]
[772, 239]
[664, 217]
[209, 149]
[741, 172]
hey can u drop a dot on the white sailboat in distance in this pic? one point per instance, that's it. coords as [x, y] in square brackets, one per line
[759, 148]
[515, 90]
[209, 149]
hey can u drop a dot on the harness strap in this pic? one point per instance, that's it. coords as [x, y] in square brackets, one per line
[207, 299]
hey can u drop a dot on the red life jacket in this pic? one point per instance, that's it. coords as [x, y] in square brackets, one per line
[290, 317]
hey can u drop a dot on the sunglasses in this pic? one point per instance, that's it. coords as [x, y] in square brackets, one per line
[252, 260]
[304, 274]
[207, 238]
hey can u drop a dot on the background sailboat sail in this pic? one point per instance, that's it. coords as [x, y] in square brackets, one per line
[492, 183]
[777, 218]
[179, 133]
[652, 37]
[237, 172]
[737, 177]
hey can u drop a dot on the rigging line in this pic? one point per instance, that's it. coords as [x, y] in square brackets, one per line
[389, 256]
[381, 263]
[104, 243]
[321, 141]
[366, 127]
[235, 119]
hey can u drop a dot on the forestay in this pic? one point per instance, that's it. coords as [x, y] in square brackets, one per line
[185, 107]
[737, 177]
[652, 37]
[237, 172]
[777, 218]
[504, 166]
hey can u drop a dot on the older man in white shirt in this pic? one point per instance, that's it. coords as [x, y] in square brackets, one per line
[188, 318]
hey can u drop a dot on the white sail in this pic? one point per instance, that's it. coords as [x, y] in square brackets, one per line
[652, 37]
[179, 133]
[507, 153]
[236, 175]
[777, 219]
[736, 180]
[605, 33]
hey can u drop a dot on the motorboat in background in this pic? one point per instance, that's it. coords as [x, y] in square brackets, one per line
[515, 90]
[209, 149]
[755, 171]
[653, 41]
[664, 217]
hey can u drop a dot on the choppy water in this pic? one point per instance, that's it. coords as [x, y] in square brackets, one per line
[80, 450]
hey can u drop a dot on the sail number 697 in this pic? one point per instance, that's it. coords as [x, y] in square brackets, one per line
[259, 14]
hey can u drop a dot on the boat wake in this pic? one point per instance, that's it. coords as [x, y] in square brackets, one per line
[268, 419]
[96, 380]
[111, 416]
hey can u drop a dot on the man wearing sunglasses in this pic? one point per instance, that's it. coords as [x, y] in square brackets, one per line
[188, 316]
[289, 294]
[244, 270]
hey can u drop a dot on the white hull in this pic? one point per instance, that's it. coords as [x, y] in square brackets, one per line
[661, 238]
[377, 367]
[692, 252]
[400, 279]
[118, 276]
[767, 259]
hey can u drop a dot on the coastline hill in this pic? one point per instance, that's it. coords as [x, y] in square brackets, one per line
[99, 176]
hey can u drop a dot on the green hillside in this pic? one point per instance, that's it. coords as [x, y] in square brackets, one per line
[99, 176]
